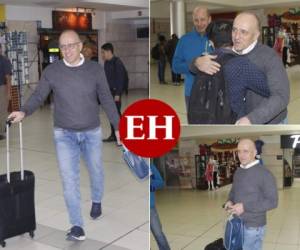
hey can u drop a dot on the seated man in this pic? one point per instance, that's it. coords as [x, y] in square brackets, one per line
[219, 98]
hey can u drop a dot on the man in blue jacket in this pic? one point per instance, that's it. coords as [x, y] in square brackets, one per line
[156, 182]
[191, 46]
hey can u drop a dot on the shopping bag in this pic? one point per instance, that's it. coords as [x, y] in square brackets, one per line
[234, 233]
[136, 163]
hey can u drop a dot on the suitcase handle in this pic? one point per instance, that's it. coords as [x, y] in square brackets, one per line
[8, 124]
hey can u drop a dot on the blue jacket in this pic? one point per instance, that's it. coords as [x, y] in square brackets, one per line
[190, 46]
[156, 182]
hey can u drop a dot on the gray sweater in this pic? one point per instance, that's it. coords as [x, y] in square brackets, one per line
[256, 188]
[271, 109]
[77, 92]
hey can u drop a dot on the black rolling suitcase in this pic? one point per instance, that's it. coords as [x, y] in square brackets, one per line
[17, 211]
[215, 245]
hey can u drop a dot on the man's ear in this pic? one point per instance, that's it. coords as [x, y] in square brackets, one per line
[80, 46]
[209, 29]
[257, 35]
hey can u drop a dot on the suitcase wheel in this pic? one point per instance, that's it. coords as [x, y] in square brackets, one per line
[31, 233]
[3, 243]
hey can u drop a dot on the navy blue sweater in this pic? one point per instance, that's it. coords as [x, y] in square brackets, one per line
[241, 75]
[116, 75]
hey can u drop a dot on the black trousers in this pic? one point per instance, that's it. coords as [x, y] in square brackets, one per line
[118, 106]
[215, 179]
[284, 56]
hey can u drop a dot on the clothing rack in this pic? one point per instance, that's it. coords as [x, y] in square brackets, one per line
[17, 52]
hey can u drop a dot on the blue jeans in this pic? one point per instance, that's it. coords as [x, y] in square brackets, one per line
[161, 70]
[156, 230]
[253, 238]
[69, 147]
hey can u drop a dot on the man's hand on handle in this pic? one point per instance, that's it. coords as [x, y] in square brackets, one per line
[117, 134]
[228, 205]
[237, 209]
[16, 116]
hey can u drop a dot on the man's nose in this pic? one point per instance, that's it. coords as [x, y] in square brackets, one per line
[236, 35]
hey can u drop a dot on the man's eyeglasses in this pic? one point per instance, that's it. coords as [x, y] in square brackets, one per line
[68, 46]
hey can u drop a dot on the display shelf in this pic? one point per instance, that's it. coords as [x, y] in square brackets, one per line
[17, 52]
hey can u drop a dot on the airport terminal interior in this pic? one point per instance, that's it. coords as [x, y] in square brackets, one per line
[124, 223]
[164, 23]
[192, 216]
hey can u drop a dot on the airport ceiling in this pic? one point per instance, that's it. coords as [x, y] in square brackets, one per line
[211, 132]
[221, 5]
[101, 5]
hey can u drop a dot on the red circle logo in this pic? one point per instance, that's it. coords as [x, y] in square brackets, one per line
[149, 128]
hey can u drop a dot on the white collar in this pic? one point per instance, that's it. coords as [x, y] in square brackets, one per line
[247, 50]
[249, 165]
[78, 64]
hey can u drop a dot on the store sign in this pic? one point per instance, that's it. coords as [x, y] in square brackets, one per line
[290, 141]
[53, 50]
[62, 20]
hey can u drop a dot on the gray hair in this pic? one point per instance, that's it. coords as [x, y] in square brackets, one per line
[199, 7]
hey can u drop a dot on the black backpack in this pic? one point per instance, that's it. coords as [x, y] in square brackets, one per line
[209, 102]
[155, 52]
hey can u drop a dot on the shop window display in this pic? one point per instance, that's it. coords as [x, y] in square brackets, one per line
[226, 162]
[187, 170]
[178, 171]
[283, 34]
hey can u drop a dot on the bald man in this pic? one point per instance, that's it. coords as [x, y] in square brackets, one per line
[77, 85]
[259, 109]
[191, 46]
[252, 194]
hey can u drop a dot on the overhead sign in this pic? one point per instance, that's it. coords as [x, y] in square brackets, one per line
[290, 141]
[62, 20]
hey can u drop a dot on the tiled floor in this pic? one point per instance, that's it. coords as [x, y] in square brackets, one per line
[125, 221]
[174, 95]
[191, 219]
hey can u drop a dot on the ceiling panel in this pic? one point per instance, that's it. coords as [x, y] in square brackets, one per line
[206, 131]
[104, 5]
